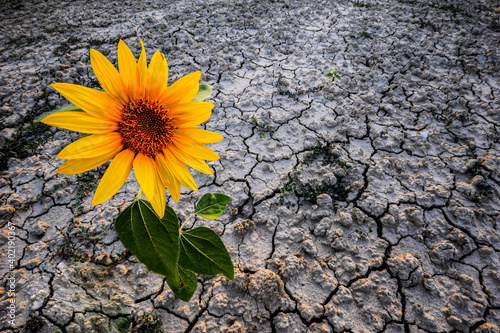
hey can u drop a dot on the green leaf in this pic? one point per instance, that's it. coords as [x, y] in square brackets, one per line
[329, 75]
[36, 121]
[155, 243]
[203, 252]
[70, 107]
[204, 92]
[212, 205]
[187, 286]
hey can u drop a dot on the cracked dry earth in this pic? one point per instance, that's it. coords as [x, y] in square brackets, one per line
[370, 205]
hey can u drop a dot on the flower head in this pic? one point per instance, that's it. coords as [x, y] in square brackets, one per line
[139, 122]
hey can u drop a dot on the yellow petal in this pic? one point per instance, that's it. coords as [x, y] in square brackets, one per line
[191, 114]
[194, 148]
[182, 90]
[168, 179]
[180, 170]
[128, 70]
[145, 173]
[114, 177]
[92, 146]
[158, 75]
[193, 162]
[143, 71]
[199, 134]
[159, 200]
[108, 76]
[96, 103]
[72, 167]
[80, 122]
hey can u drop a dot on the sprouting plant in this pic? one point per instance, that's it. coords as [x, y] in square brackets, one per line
[126, 125]
[333, 75]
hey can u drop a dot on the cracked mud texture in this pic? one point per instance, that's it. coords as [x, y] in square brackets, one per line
[370, 205]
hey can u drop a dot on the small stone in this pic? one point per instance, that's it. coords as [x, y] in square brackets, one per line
[345, 219]
[309, 247]
[33, 263]
[39, 229]
[324, 201]
[6, 210]
[244, 226]
[487, 328]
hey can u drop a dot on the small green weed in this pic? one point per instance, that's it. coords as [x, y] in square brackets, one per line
[84, 233]
[148, 324]
[310, 190]
[365, 35]
[69, 251]
[263, 128]
[33, 324]
[362, 234]
[324, 149]
[428, 24]
[283, 90]
[87, 183]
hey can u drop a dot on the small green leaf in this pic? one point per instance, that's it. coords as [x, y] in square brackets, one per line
[203, 252]
[155, 243]
[329, 75]
[212, 205]
[204, 92]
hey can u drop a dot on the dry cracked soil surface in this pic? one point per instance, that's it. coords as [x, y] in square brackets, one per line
[368, 205]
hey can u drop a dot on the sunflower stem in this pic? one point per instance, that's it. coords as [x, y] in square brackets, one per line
[182, 226]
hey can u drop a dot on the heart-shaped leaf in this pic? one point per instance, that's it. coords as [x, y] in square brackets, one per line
[212, 205]
[203, 93]
[203, 252]
[155, 243]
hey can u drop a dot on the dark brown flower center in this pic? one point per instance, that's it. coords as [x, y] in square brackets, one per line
[145, 127]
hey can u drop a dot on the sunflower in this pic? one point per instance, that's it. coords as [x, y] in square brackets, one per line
[139, 123]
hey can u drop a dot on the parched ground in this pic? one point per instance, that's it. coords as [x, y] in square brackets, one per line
[368, 205]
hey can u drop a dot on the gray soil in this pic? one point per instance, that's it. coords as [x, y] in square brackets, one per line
[370, 205]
